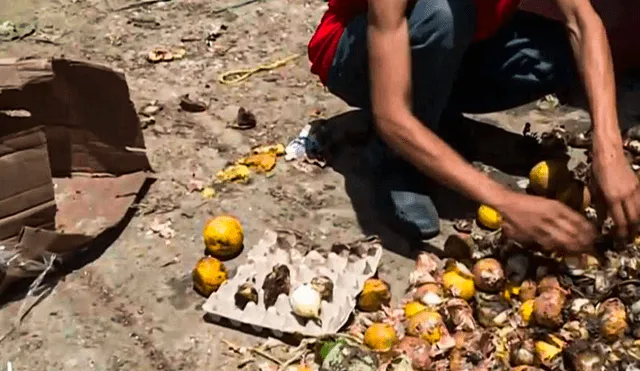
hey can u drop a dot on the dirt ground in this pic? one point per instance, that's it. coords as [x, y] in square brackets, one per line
[132, 308]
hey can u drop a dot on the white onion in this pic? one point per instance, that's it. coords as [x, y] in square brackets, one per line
[305, 302]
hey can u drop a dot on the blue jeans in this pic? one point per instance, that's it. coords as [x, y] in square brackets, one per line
[527, 59]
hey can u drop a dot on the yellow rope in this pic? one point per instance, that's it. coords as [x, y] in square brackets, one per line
[236, 76]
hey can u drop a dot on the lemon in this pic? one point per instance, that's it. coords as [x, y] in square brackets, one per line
[547, 177]
[613, 318]
[510, 291]
[489, 217]
[208, 275]
[223, 236]
[547, 352]
[427, 325]
[412, 308]
[457, 280]
[374, 295]
[526, 310]
[380, 337]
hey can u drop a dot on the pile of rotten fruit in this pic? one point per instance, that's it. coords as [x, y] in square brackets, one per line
[507, 306]
[504, 306]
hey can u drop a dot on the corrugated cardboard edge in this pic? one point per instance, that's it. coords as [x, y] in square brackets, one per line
[80, 119]
[88, 117]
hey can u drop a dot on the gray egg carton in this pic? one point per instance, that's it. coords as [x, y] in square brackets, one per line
[348, 269]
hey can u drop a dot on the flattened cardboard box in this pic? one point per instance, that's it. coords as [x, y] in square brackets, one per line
[72, 159]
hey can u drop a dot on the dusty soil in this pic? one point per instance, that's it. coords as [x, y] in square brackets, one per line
[131, 306]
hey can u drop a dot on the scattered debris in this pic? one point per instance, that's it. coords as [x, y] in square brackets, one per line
[146, 121]
[548, 103]
[140, 4]
[10, 31]
[195, 185]
[260, 162]
[245, 120]
[277, 149]
[146, 23]
[208, 193]
[151, 108]
[164, 230]
[165, 55]
[147, 113]
[192, 105]
[234, 173]
[217, 31]
[463, 225]
[174, 260]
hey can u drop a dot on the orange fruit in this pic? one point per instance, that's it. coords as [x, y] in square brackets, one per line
[223, 236]
[208, 275]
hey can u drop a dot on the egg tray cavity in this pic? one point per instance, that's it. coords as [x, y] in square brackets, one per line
[348, 267]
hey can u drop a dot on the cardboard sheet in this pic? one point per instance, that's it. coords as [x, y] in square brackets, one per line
[72, 159]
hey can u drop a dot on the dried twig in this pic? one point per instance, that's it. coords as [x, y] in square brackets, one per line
[256, 351]
[290, 361]
[140, 4]
[26, 309]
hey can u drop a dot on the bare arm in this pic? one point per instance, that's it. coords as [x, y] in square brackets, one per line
[593, 58]
[390, 66]
[615, 178]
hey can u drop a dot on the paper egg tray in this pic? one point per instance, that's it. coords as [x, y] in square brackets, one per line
[348, 269]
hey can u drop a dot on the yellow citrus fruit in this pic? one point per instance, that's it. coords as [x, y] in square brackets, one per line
[304, 367]
[575, 195]
[427, 325]
[208, 275]
[380, 337]
[510, 291]
[526, 310]
[374, 295]
[613, 318]
[489, 217]
[548, 176]
[458, 285]
[412, 308]
[223, 236]
[546, 352]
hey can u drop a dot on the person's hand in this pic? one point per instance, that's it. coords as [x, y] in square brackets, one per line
[549, 223]
[621, 191]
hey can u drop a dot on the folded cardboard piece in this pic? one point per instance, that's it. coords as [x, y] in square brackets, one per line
[72, 160]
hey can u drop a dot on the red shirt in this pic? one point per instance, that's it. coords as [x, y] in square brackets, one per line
[491, 14]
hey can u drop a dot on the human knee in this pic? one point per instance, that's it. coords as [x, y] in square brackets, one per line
[442, 24]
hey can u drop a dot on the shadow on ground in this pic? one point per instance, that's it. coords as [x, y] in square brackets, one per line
[345, 137]
[77, 260]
